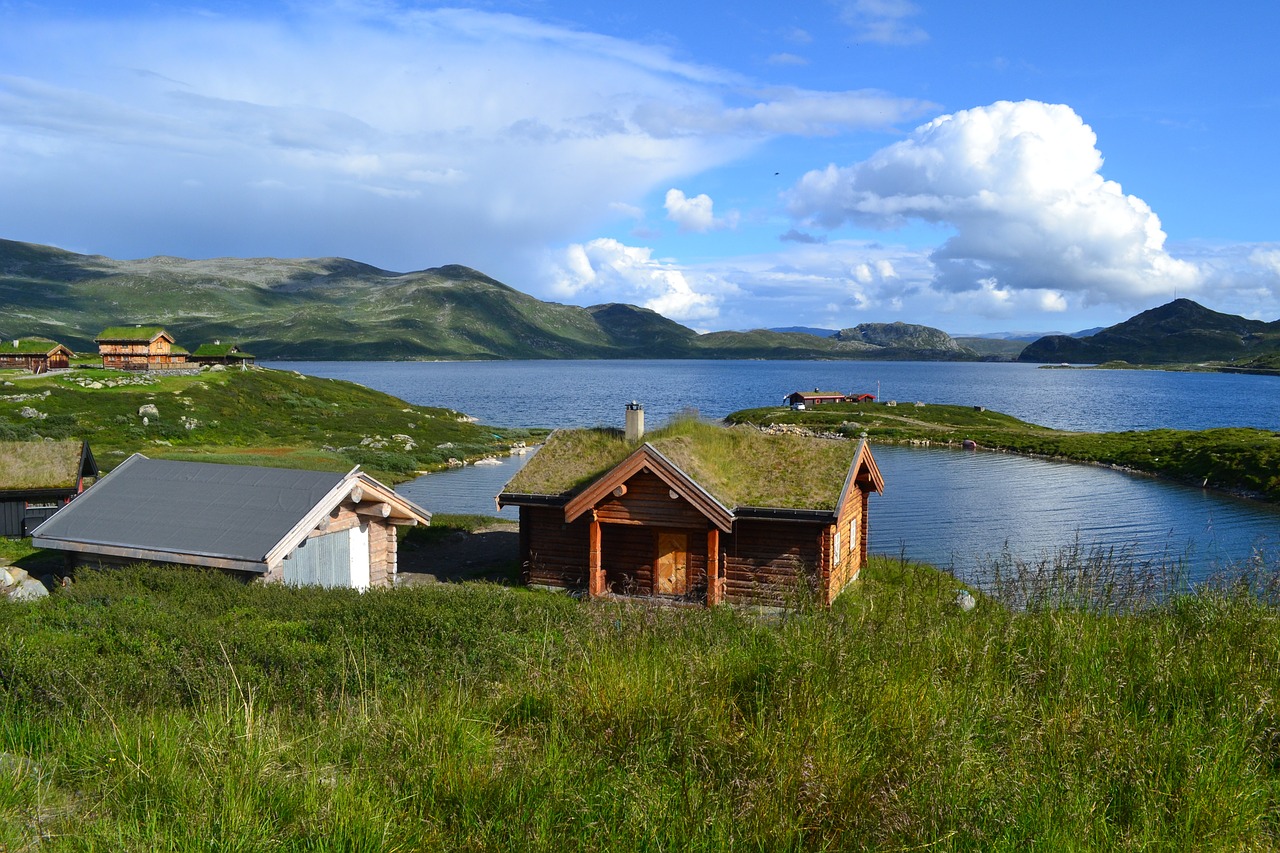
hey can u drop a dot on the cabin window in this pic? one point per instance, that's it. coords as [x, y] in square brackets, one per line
[853, 535]
[835, 547]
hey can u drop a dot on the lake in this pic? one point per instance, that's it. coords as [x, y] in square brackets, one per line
[946, 507]
[591, 393]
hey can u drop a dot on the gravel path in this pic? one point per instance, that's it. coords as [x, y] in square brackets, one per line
[490, 553]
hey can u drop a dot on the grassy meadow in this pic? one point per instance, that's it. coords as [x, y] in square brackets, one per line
[1232, 458]
[153, 709]
[258, 416]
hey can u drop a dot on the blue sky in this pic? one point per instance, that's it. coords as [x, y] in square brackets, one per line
[976, 167]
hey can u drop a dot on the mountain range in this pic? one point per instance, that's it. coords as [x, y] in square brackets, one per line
[334, 308]
[1181, 331]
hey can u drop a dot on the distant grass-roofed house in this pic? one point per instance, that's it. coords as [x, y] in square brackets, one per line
[38, 478]
[277, 524]
[220, 353]
[139, 348]
[697, 513]
[38, 355]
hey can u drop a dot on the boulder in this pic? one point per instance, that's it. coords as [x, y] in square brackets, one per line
[148, 410]
[28, 589]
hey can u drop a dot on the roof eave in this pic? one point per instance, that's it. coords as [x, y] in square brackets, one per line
[775, 513]
[215, 561]
[527, 499]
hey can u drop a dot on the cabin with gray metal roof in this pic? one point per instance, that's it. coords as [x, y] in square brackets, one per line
[278, 524]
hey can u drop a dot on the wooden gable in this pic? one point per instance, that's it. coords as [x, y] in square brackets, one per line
[612, 487]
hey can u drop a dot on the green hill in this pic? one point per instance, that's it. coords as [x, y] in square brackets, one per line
[1181, 331]
[333, 308]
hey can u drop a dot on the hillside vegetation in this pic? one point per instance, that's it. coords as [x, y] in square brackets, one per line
[1234, 458]
[333, 308]
[1179, 332]
[258, 416]
[154, 709]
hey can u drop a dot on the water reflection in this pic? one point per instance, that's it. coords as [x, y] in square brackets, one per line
[952, 508]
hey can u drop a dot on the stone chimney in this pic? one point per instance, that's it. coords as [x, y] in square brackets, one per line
[635, 421]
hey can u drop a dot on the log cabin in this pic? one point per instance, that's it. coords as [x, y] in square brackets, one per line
[220, 353]
[697, 513]
[140, 348]
[272, 524]
[39, 355]
[809, 399]
[38, 478]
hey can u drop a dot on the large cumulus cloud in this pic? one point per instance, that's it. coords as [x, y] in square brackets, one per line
[1020, 186]
[607, 270]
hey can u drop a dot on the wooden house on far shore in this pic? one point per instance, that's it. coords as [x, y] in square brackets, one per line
[39, 355]
[809, 399]
[697, 513]
[140, 348]
[220, 353]
[38, 478]
[276, 524]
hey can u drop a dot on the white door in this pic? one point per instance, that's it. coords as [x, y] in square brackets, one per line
[360, 556]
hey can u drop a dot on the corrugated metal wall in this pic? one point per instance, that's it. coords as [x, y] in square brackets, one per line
[321, 561]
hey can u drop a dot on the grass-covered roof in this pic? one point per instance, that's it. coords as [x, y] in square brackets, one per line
[28, 346]
[739, 466]
[39, 464]
[130, 333]
[220, 351]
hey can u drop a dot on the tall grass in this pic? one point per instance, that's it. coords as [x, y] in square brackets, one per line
[150, 709]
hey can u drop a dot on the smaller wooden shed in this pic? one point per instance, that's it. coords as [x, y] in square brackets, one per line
[139, 348]
[277, 524]
[220, 353]
[696, 513]
[38, 478]
[38, 355]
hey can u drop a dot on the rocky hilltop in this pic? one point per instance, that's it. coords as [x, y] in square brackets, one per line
[1180, 331]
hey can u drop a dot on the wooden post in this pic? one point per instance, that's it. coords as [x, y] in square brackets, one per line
[715, 583]
[595, 566]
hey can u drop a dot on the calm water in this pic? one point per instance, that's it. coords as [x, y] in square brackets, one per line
[590, 393]
[955, 509]
[945, 507]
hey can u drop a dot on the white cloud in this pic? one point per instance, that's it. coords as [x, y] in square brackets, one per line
[605, 270]
[407, 138]
[993, 301]
[787, 59]
[1019, 183]
[882, 21]
[695, 214]
[1266, 259]
[781, 110]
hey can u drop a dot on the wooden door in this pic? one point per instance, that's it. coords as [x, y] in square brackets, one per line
[671, 569]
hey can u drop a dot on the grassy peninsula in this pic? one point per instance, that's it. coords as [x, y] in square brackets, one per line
[257, 416]
[169, 710]
[1236, 459]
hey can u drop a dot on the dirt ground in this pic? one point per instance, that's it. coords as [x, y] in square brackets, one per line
[491, 553]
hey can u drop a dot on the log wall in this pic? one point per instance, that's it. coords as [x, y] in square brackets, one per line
[554, 552]
[764, 560]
